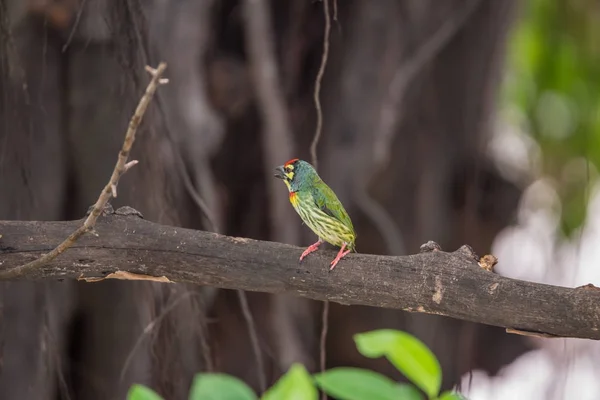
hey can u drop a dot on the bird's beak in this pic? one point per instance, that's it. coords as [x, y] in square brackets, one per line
[280, 173]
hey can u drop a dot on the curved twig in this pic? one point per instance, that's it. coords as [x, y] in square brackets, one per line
[110, 190]
[317, 137]
[262, 379]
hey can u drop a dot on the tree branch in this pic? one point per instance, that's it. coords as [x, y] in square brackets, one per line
[434, 282]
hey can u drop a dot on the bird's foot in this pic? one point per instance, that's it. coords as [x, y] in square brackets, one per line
[313, 247]
[339, 256]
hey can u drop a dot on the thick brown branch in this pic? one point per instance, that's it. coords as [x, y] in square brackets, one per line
[435, 282]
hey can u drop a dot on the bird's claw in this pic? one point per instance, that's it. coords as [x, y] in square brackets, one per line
[313, 247]
[333, 264]
[339, 256]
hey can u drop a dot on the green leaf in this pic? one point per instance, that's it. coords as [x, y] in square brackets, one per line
[408, 354]
[451, 396]
[296, 384]
[361, 384]
[141, 392]
[220, 387]
[408, 392]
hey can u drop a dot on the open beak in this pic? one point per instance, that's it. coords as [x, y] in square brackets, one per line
[280, 173]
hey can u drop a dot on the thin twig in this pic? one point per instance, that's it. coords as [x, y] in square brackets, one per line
[107, 192]
[75, 25]
[335, 16]
[262, 379]
[380, 218]
[317, 137]
[198, 200]
[149, 328]
[323, 344]
[204, 302]
[335, 11]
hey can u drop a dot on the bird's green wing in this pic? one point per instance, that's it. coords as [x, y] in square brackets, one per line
[328, 202]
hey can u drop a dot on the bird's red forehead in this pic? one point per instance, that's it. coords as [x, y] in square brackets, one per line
[293, 160]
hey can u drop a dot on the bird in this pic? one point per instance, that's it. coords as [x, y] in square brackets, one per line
[318, 207]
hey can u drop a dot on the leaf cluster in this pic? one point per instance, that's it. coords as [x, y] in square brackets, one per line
[409, 355]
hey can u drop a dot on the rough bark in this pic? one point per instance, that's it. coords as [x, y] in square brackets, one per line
[434, 282]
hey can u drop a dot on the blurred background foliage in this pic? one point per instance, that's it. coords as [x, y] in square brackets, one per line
[552, 90]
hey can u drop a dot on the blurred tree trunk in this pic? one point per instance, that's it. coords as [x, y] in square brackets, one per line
[33, 185]
[72, 72]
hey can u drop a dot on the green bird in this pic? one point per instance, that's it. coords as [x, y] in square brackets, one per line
[318, 207]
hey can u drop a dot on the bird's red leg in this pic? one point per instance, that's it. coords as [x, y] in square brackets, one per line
[310, 249]
[339, 256]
